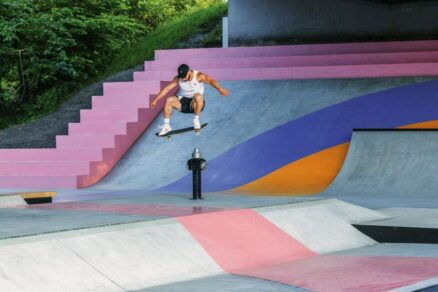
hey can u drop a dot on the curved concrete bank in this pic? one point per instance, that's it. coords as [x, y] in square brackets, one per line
[304, 137]
[389, 164]
[255, 107]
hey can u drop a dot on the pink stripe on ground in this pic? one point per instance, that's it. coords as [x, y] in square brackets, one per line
[349, 273]
[147, 210]
[242, 239]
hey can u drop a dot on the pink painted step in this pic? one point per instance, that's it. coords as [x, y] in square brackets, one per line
[39, 168]
[320, 72]
[127, 94]
[289, 50]
[99, 115]
[117, 103]
[50, 154]
[291, 61]
[85, 141]
[97, 128]
[43, 183]
[124, 90]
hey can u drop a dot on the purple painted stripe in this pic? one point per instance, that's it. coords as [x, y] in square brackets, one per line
[315, 132]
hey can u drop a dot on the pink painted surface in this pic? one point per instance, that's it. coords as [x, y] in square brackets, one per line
[289, 61]
[85, 141]
[349, 273]
[97, 128]
[121, 114]
[43, 182]
[129, 209]
[140, 101]
[310, 72]
[346, 48]
[124, 90]
[39, 168]
[50, 154]
[243, 239]
[122, 144]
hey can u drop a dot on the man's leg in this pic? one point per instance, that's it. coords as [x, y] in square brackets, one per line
[171, 103]
[198, 104]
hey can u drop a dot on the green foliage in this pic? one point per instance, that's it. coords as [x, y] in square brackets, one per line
[67, 43]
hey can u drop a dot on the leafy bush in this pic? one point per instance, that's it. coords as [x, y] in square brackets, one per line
[64, 41]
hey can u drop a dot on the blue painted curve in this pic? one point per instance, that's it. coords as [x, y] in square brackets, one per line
[312, 133]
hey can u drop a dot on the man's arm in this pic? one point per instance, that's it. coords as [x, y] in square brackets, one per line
[165, 90]
[207, 79]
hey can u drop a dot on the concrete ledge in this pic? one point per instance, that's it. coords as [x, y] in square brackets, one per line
[38, 198]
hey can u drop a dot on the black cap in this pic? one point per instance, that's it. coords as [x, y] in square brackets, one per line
[183, 69]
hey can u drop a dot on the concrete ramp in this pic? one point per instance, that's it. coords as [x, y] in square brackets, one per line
[389, 166]
[262, 127]
[285, 244]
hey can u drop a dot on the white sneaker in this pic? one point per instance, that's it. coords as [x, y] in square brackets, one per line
[165, 128]
[196, 124]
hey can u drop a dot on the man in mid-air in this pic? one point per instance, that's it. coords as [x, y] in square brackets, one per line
[190, 97]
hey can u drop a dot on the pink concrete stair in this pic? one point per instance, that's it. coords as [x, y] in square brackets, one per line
[97, 128]
[41, 183]
[38, 168]
[296, 61]
[309, 72]
[124, 90]
[120, 114]
[300, 50]
[14, 155]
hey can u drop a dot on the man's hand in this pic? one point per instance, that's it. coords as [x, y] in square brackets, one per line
[224, 92]
[154, 103]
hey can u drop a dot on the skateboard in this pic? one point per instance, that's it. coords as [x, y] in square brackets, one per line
[169, 135]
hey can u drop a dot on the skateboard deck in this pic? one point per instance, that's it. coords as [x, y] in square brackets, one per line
[180, 131]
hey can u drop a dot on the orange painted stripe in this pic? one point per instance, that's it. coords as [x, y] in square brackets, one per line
[423, 125]
[311, 174]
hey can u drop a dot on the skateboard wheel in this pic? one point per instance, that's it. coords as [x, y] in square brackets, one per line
[197, 133]
[169, 138]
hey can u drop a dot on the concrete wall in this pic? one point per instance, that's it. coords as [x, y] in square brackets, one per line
[258, 21]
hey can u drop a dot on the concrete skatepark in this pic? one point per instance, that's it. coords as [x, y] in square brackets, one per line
[315, 143]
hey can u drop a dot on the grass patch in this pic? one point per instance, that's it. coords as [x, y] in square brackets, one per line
[168, 36]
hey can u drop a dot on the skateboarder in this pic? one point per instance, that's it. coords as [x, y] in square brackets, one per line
[190, 97]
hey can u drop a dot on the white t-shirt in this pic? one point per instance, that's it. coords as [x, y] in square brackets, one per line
[191, 87]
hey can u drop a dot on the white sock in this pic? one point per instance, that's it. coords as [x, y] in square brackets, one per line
[196, 118]
[167, 121]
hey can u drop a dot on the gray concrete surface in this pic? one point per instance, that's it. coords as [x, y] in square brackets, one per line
[224, 283]
[394, 250]
[252, 108]
[408, 217]
[87, 211]
[11, 200]
[323, 226]
[116, 258]
[258, 21]
[389, 169]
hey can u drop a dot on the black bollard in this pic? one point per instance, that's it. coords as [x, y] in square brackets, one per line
[197, 164]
